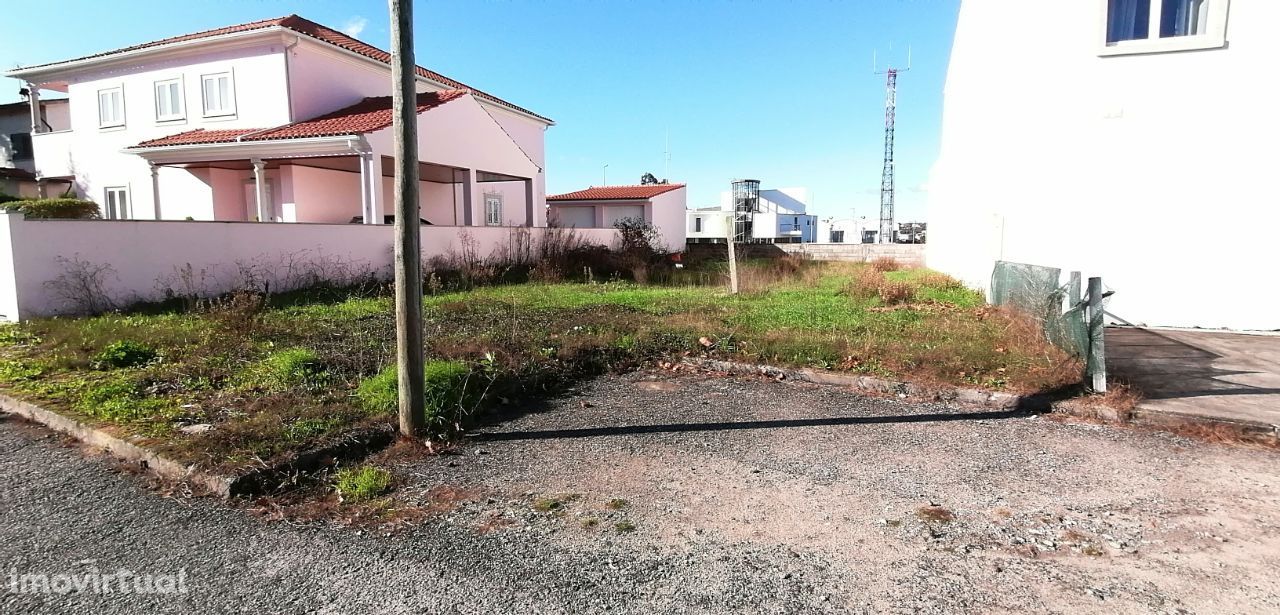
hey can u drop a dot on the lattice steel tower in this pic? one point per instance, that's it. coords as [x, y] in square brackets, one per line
[886, 176]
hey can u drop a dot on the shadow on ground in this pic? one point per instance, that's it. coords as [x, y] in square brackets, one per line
[1163, 367]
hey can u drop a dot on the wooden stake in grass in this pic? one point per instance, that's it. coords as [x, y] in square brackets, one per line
[733, 259]
[404, 111]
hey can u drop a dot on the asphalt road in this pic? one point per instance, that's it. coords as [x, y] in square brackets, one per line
[747, 496]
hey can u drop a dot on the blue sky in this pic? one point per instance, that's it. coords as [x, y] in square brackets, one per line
[779, 91]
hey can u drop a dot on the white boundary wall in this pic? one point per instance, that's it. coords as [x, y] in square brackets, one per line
[140, 259]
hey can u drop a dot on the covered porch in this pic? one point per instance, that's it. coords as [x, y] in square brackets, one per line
[338, 169]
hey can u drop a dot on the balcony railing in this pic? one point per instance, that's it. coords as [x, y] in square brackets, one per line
[53, 153]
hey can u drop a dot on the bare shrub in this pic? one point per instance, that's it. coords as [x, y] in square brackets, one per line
[518, 250]
[303, 270]
[82, 287]
[885, 263]
[462, 268]
[638, 245]
[187, 284]
[238, 311]
[893, 292]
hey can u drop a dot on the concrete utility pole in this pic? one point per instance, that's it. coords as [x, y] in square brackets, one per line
[404, 111]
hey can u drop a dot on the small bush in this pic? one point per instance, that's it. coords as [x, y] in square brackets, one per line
[8, 198]
[74, 209]
[122, 354]
[362, 484]
[446, 390]
[287, 369]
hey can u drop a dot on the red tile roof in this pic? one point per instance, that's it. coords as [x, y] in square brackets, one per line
[366, 116]
[616, 193]
[199, 136]
[316, 31]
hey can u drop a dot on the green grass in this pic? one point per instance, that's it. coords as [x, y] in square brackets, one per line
[446, 384]
[276, 376]
[357, 485]
[285, 369]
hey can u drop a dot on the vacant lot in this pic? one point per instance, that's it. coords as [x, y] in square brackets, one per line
[250, 378]
[651, 493]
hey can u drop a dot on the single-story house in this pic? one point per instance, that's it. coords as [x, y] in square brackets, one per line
[662, 205]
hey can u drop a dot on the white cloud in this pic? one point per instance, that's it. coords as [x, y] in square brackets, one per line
[354, 26]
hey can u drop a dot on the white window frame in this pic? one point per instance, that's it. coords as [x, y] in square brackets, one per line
[120, 122]
[181, 112]
[125, 213]
[492, 215]
[231, 94]
[697, 224]
[1213, 37]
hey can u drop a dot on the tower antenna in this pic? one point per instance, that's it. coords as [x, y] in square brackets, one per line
[887, 173]
[666, 156]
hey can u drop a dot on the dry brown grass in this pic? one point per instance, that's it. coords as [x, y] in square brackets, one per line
[938, 280]
[884, 263]
[935, 514]
[763, 275]
[870, 282]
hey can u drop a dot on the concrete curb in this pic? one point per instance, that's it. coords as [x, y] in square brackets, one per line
[125, 451]
[254, 481]
[1165, 420]
[870, 384]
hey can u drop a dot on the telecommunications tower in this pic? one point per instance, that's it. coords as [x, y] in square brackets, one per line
[887, 234]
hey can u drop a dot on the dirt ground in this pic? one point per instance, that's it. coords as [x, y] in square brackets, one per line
[878, 505]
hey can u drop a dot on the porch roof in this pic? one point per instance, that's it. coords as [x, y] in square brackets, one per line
[366, 116]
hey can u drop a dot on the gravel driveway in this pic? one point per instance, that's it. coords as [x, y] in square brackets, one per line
[685, 493]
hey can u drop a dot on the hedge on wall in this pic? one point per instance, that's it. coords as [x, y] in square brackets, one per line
[55, 208]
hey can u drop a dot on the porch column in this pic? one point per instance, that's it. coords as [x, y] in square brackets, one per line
[469, 200]
[155, 189]
[378, 190]
[529, 205]
[368, 190]
[33, 97]
[260, 189]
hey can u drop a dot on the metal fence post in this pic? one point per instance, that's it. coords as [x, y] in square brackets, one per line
[1097, 361]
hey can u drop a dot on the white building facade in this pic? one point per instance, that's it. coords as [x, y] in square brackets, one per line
[780, 218]
[281, 120]
[1098, 135]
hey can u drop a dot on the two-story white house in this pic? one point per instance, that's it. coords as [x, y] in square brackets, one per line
[1100, 135]
[279, 120]
[17, 159]
[779, 216]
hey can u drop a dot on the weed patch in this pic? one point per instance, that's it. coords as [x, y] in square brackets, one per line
[123, 354]
[362, 484]
[286, 369]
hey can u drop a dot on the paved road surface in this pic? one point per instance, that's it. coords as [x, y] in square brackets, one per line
[820, 492]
